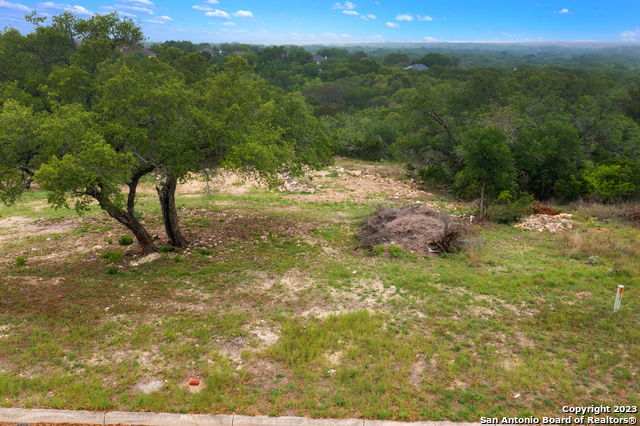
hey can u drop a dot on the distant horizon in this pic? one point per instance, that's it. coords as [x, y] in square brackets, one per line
[367, 21]
[577, 43]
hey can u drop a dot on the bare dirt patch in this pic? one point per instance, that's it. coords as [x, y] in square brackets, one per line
[337, 184]
[311, 298]
[230, 227]
[17, 227]
[417, 370]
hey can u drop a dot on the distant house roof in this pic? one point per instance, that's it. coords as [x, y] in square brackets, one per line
[318, 59]
[132, 50]
[417, 67]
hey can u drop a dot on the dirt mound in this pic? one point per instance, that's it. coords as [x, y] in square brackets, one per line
[413, 228]
[547, 223]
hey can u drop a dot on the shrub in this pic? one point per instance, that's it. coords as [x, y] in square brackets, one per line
[21, 261]
[166, 249]
[507, 210]
[125, 240]
[610, 183]
[112, 256]
[112, 270]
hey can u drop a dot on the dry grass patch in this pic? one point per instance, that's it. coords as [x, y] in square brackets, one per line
[606, 244]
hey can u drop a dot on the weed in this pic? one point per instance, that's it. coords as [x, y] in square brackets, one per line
[474, 252]
[125, 240]
[166, 249]
[396, 251]
[112, 256]
[593, 260]
[21, 261]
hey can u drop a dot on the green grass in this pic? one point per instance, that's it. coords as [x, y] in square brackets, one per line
[282, 313]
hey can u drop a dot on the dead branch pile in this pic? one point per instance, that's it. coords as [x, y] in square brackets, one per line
[413, 228]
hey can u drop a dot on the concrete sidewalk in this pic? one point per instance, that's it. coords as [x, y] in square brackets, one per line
[33, 416]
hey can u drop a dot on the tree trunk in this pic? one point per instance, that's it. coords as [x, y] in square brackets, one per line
[482, 200]
[127, 218]
[167, 196]
[141, 234]
[28, 180]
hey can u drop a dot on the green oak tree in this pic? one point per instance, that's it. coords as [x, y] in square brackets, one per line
[488, 165]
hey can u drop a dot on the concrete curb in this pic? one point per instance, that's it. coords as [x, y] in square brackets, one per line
[27, 416]
[21, 415]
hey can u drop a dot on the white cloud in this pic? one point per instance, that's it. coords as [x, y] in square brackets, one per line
[17, 6]
[424, 18]
[50, 5]
[80, 10]
[137, 9]
[203, 8]
[392, 25]
[351, 12]
[631, 35]
[229, 24]
[428, 38]
[166, 18]
[368, 17]
[404, 17]
[218, 14]
[155, 21]
[212, 1]
[347, 5]
[145, 2]
[243, 14]
[563, 11]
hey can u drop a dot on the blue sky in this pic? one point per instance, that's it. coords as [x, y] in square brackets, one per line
[288, 21]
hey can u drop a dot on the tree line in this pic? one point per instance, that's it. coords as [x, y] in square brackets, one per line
[562, 131]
